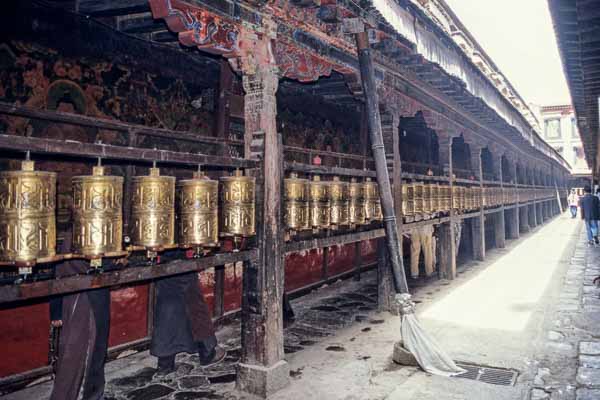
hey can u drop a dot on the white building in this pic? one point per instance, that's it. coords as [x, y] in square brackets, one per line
[559, 129]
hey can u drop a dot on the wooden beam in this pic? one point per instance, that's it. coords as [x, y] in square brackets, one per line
[101, 123]
[325, 170]
[111, 7]
[133, 154]
[318, 243]
[77, 283]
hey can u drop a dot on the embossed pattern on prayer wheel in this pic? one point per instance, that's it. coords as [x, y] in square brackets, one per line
[339, 197]
[372, 201]
[198, 206]
[319, 204]
[238, 205]
[435, 197]
[427, 199]
[27, 214]
[407, 202]
[357, 203]
[418, 197]
[97, 214]
[295, 194]
[153, 210]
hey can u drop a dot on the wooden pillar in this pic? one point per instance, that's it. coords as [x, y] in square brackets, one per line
[513, 214]
[478, 222]
[385, 283]
[385, 280]
[262, 369]
[523, 218]
[447, 243]
[499, 221]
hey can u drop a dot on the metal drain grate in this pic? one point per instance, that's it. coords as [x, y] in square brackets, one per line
[491, 375]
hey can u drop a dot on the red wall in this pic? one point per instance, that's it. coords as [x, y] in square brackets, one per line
[24, 333]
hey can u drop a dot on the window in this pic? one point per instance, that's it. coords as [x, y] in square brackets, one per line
[552, 128]
[574, 130]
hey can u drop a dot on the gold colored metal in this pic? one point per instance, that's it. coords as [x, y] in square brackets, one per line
[468, 198]
[477, 200]
[198, 206]
[295, 194]
[319, 203]
[357, 206]
[153, 211]
[407, 201]
[97, 214]
[372, 201]
[27, 215]
[339, 196]
[418, 197]
[435, 197]
[458, 197]
[238, 201]
[427, 199]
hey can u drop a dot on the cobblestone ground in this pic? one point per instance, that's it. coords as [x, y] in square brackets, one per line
[569, 360]
[318, 317]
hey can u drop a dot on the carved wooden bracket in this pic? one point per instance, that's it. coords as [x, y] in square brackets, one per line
[300, 64]
[198, 27]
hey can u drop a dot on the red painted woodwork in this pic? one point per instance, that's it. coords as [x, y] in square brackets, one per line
[24, 344]
[341, 259]
[303, 268]
[197, 27]
[233, 287]
[207, 286]
[297, 63]
[128, 314]
[369, 251]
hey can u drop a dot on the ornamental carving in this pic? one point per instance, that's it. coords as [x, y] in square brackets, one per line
[197, 27]
[300, 64]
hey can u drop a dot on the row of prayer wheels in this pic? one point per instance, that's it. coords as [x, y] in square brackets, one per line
[28, 206]
[422, 198]
[316, 204]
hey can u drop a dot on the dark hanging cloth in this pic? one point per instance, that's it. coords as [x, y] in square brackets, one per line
[182, 321]
[83, 337]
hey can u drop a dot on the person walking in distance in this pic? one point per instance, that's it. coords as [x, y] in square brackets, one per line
[573, 203]
[590, 213]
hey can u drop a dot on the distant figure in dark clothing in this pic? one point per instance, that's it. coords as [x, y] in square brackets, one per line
[182, 323]
[590, 213]
[85, 321]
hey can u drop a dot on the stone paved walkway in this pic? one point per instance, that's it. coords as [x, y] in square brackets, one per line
[569, 359]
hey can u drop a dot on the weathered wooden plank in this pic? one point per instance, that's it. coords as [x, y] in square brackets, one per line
[326, 170]
[111, 7]
[333, 240]
[101, 123]
[92, 150]
[76, 283]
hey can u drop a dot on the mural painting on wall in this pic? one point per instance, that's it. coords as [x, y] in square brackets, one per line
[42, 78]
[317, 133]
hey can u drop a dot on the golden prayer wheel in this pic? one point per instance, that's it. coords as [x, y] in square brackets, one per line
[457, 197]
[444, 198]
[27, 216]
[198, 206]
[153, 212]
[407, 201]
[418, 197]
[296, 213]
[372, 201]
[357, 205]
[238, 201]
[339, 197]
[319, 203]
[427, 199]
[477, 200]
[468, 198]
[97, 215]
[435, 197]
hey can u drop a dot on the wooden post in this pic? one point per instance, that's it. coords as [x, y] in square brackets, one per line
[499, 222]
[447, 243]
[219, 291]
[513, 214]
[262, 369]
[478, 222]
[367, 74]
[385, 289]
